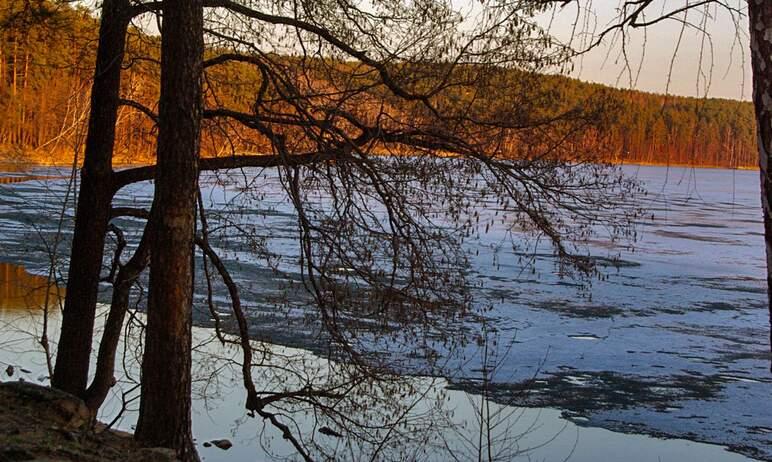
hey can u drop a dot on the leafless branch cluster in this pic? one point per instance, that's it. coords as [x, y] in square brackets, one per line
[388, 126]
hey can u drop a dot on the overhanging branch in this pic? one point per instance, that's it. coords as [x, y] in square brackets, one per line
[125, 177]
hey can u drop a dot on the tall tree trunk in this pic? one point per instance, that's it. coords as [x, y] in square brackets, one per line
[23, 129]
[15, 64]
[26, 69]
[164, 415]
[93, 213]
[3, 47]
[760, 16]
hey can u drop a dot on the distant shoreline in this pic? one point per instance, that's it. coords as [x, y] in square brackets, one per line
[15, 164]
[677, 165]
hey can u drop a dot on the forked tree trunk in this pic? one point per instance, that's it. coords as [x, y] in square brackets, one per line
[760, 16]
[164, 414]
[104, 376]
[93, 213]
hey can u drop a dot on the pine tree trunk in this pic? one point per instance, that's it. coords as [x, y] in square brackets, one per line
[760, 15]
[93, 212]
[3, 47]
[164, 418]
[15, 65]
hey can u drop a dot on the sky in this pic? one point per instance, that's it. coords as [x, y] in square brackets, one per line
[724, 71]
[715, 63]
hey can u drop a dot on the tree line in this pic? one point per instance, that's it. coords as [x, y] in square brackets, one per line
[659, 129]
[44, 88]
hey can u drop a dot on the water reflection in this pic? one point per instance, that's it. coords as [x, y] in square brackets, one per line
[20, 290]
[23, 178]
[438, 424]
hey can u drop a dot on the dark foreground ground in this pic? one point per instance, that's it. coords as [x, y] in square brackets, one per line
[41, 424]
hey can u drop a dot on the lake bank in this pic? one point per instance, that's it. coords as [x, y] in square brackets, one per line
[38, 423]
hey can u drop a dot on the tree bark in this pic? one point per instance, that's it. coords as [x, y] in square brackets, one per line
[760, 16]
[164, 418]
[15, 64]
[93, 212]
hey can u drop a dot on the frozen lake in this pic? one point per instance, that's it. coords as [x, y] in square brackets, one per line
[672, 341]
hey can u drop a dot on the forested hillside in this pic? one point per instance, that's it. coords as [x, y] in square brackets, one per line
[46, 59]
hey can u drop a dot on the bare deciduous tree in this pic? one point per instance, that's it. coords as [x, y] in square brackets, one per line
[387, 124]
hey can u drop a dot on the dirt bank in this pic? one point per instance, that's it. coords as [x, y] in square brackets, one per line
[41, 424]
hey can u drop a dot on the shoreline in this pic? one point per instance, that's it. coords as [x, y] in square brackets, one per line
[19, 165]
[677, 165]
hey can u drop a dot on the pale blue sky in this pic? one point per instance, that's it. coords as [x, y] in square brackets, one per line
[726, 69]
